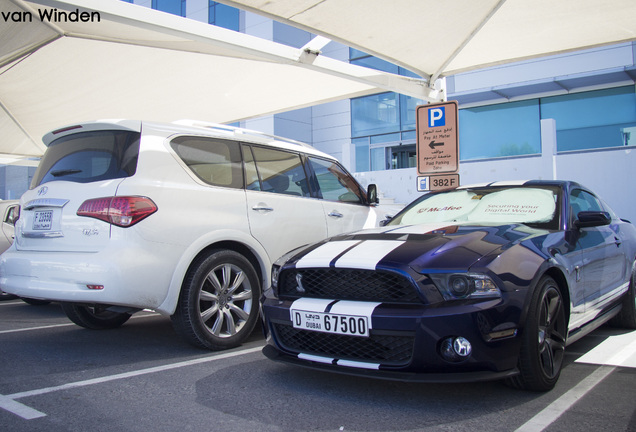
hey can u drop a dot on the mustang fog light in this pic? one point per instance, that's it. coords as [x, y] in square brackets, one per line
[455, 349]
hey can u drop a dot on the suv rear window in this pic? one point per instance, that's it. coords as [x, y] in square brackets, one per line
[87, 157]
[215, 161]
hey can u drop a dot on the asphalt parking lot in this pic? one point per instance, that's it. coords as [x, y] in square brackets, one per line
[60, 377]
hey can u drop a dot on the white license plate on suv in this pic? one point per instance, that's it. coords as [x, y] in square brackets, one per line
[42, 220]
[352, 325]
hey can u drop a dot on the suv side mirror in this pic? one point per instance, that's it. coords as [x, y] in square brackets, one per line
[587, 219]
[372, 194]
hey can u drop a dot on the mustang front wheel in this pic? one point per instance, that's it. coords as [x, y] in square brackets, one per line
[543, 339]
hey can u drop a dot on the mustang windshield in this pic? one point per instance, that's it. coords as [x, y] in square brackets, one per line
[490, 206]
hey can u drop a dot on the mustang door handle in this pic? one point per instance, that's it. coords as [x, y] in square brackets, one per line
[617, 241]
[335, 214]
[262, 207]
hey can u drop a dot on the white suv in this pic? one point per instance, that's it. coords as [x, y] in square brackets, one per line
[183, 219]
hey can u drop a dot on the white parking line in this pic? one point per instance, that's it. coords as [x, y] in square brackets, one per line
[65, 325]
[19, 409]
[35, 328]
[10, 302]
[8, 402]
[557, 408]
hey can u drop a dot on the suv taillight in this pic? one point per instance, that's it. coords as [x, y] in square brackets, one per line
[123, 211]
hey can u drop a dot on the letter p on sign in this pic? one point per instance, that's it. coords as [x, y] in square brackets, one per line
[436, 117]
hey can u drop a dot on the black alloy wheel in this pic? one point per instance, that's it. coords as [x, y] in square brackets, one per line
[543, 339]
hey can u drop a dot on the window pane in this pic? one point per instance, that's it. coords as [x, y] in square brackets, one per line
[373, 115]
[281, 172]
[362, 153]
[378, 159]
[602, 118]
[223, 16]
[376, 63]
[403, 157]
[379, 139]
[500, 130]
[407, 106]
[335, 184]
[583, 201]
[89, 156]
[216, 162]
[252, 181]
[175, 7]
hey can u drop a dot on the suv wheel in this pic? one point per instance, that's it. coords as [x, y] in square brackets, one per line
[218, 303]
[94, 317]
[34, 302]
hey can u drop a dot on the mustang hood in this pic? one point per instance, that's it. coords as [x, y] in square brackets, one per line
[422, 247]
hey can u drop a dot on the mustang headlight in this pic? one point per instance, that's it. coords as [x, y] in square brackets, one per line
[280, 262]
[465, 285]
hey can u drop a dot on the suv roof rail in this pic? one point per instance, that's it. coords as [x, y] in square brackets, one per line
[237, 131]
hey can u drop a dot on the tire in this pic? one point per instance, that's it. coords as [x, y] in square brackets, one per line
[218, 303]
[34, 302]
[626, 318]
[543, 339]
[94, 317]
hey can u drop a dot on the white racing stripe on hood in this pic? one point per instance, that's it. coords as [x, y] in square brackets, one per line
[323, 255]
[367, 254]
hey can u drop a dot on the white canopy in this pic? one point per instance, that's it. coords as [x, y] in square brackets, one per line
[436, 38]
[143, 64]
[140, 63]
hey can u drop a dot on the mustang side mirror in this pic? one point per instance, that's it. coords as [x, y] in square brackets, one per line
[587, 219]
[372, 194]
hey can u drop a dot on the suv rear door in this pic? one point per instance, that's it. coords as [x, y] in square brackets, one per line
[281, 211]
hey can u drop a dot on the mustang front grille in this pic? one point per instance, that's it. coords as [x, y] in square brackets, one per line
[347, 284]
[384, 349]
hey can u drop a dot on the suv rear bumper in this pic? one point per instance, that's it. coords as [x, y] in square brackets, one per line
[134, 277]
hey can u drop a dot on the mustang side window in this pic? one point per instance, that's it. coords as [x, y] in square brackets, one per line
[334, 183]
[581, 200]
[279, 172]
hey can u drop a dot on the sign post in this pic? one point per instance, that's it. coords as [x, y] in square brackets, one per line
[437, 146]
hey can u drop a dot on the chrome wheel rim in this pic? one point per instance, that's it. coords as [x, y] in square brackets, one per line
[225, 300]
[551, 332]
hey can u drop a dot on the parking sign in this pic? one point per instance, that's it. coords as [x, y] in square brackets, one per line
[437, 143]
[437, 116]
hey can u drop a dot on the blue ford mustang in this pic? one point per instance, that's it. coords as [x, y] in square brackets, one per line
[473, 283]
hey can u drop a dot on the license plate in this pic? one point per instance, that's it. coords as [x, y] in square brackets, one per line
[352, 325]
[42, 220]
